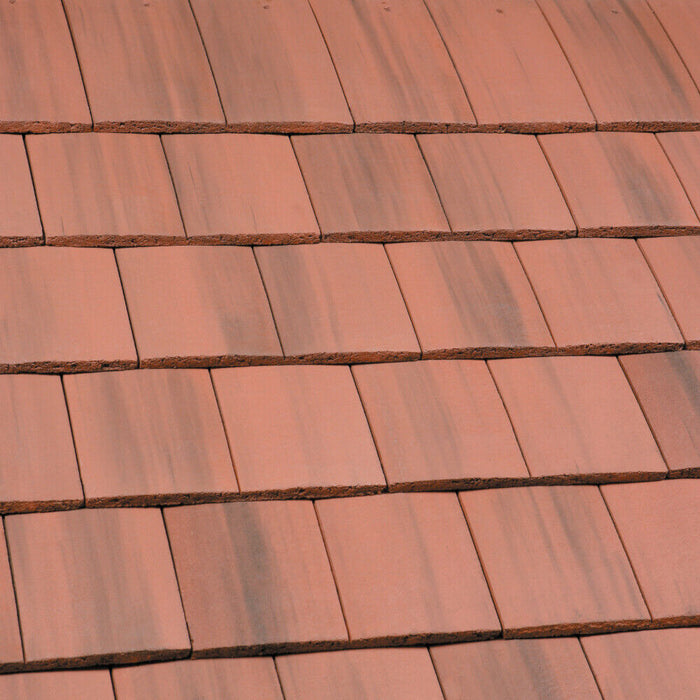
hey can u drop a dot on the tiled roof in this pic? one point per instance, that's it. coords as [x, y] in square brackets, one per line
[296, 414]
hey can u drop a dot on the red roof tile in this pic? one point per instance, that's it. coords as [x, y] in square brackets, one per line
[10, 636]
[57, 685]
[683, 150]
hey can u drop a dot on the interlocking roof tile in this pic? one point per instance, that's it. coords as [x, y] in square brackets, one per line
[11, 649]
[57, 685]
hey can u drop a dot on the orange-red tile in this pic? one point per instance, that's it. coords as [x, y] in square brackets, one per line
[667, 386]
[149, 436]
[271, 65]
[104, 188]
[370, 187]
[40, 84]
[62, 309]
[372, 674]
[96, 586]
[438, 424]
[197, 305]
[523, 669]
[676, 266]
[388, 83]
[254, 575]
[577, 418]
[470, 298]
[10, 640]
[337, 301]
[619, 184]
[242, 188]
[144, 65]
[406, 567]
[553, 560]
[57, 685]
[297, 428]
[234, 679]
[496, 186]
[513, 69]
[683, 150]
[598, 295]
[654, 664]
[38, 468]
[659, 525]
[626, 65]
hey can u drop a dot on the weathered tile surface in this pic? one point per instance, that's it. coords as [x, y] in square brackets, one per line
[10, 639]
[57, 685]
[683, 150]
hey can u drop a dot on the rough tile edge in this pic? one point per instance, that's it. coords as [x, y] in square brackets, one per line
[525, 234]
[156, 126]
[292, 127]
[661, 125]
[12, 667]
[269, 649]
[98, 660]
[254, 239]
[66, 367]
[205, 361]
[10, 507]
[313, 492]
[655, 231]
[675, 621]
[20, 241]
[575, 628]
[353, 357]
[489, 353]
[409, 127]
[116, 240]
[684, 473]
[42, 127]
[693, 344]
[155, 500]
[542, 127]
[619, 348]
[385, 236]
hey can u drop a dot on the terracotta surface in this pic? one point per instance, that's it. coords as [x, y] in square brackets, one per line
[33, 98]
[197, 305]
[125, 191]
[658, 524]
[370, 187]
[240, 188]
[511, 65]
[57, 685]
[626, 65]
[553, 560]
[336, 301]
[470, 298]
[656, 664]
[438, 424]
[62, 309]
[387, 82]
[37, 459]
[683, 150]
[406, 567]
[271, 65]
[526, 669]
[149, 436]
[254, 575]
[598, 295]
[96, 586]
[321, 437]
[10, 639]
[143, 64]
[20, 223]
[675, 263]
[372, 674]
[619, 184]
[667, 386]
[577, 418]
[234, 679]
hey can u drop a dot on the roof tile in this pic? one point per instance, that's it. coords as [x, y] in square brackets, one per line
[683, 150]
[10, 640]
[57, 685]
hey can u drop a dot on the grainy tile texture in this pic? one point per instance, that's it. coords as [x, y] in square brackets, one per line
[10, 640]
[57, 685]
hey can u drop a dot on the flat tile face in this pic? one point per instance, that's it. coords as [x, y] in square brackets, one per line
[523, 669]
[147, 436]
[321, 436]
[496, 185]
[243, 188]
[598, 294]
[58, 685]
[683, 150]
[469, 296]
[336, 300]
[143, 64]
[619, 184]
[37, 458]
[373, 674]
[271, 65]
[197, 305]
[406, 566]
[577, 416]
[370, 186]
[438, 422]
[553, 560]
[234, 679]
[676, 265]
[10, 640]
[62, 308]
[655, 664]
[96, 584]
[623, 60]
[32, 97]
[254, 575]
[659, 524]
[388, 84]
[510, 64]
[104, 188]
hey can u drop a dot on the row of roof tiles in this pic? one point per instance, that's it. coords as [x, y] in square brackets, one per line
[269, 576]
[294, 65]
[169, 436]
[129, 189]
